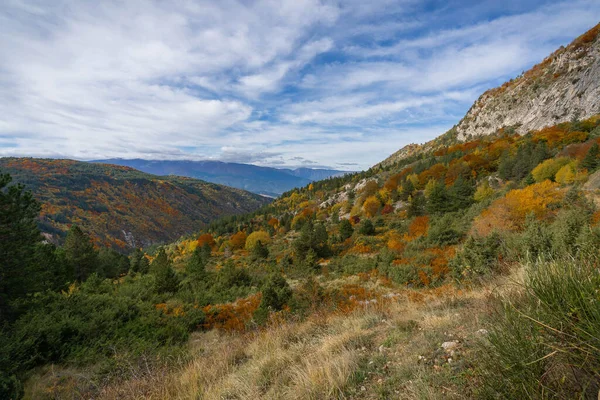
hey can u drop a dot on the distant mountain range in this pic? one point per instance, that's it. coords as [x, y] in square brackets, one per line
[262, 180]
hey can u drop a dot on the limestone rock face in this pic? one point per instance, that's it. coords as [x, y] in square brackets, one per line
[565, 85]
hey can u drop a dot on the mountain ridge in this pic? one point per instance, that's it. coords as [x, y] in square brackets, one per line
[262, 180]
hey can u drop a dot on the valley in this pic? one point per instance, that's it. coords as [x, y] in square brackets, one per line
[465, 267]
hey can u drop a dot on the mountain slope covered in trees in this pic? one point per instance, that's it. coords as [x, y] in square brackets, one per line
[120, 206]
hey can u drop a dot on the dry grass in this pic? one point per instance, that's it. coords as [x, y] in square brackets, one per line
[386, 350]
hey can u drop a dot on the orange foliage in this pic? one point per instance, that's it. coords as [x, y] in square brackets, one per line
[206, 238]
[238, 240]
[424, 278]
[509, 213]
[353, 296]
[418, 227]
[396, 244]
[361, 249]
[559, 135]
[596, 218]
[274, 222]
[392, 183]
[387, 209]
[436, 172]
[577, 150]
[439, 265]
[231, 317]
[457, 168]
[587, 37]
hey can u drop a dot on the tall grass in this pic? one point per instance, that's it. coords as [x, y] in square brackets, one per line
[545, 342]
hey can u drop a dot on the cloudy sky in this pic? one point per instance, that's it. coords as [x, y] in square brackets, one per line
[276, 82]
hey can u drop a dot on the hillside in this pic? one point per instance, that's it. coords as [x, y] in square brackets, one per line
[262, 180]
[566, 85]
[120, 206]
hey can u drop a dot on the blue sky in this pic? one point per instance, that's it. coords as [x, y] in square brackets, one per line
[275, 83]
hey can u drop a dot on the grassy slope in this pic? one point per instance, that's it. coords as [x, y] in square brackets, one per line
[106, 200]
[389, 350]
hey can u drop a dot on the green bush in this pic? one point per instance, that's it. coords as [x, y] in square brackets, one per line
[478, 257]
[366, 227]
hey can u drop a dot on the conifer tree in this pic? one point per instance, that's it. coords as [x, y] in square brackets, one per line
[407, 190]
[196, 265]
[80, 253]
[166, 280]
[139, 262]
[438, 200]
[19, 236]
[260, 251]
[416, 205]
[590, 161]
[346, 229]
[461, 194]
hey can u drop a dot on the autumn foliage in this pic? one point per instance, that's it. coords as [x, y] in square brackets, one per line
[206, 238]
[238, 240]
[509, 213]
[231, 317]
[371, 206]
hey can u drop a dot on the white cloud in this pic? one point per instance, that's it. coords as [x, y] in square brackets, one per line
[270, 81]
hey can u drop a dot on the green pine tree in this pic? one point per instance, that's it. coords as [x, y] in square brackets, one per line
[416, 205]
[166, 280]
[438, 200]
[80, 253]
[19, 236]
[260, 251]
[590, 161]
[407, 190]
[196, 265]
[366, 227]
[346, 229]
[461, 194]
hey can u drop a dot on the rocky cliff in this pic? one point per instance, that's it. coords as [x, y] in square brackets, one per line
[564, 86]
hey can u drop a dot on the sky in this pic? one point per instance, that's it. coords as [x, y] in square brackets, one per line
[280, 83]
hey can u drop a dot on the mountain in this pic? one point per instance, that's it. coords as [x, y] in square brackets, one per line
[563, 87]
[262, 180]
[120, 206]
[316, 174]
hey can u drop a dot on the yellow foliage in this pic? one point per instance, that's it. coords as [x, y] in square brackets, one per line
[414, 179]
[509, 212]
[431, 184]
[483, 192]
[371, 206]
[566, 174]
[254, 237]
[548, 169]
[569, 174]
